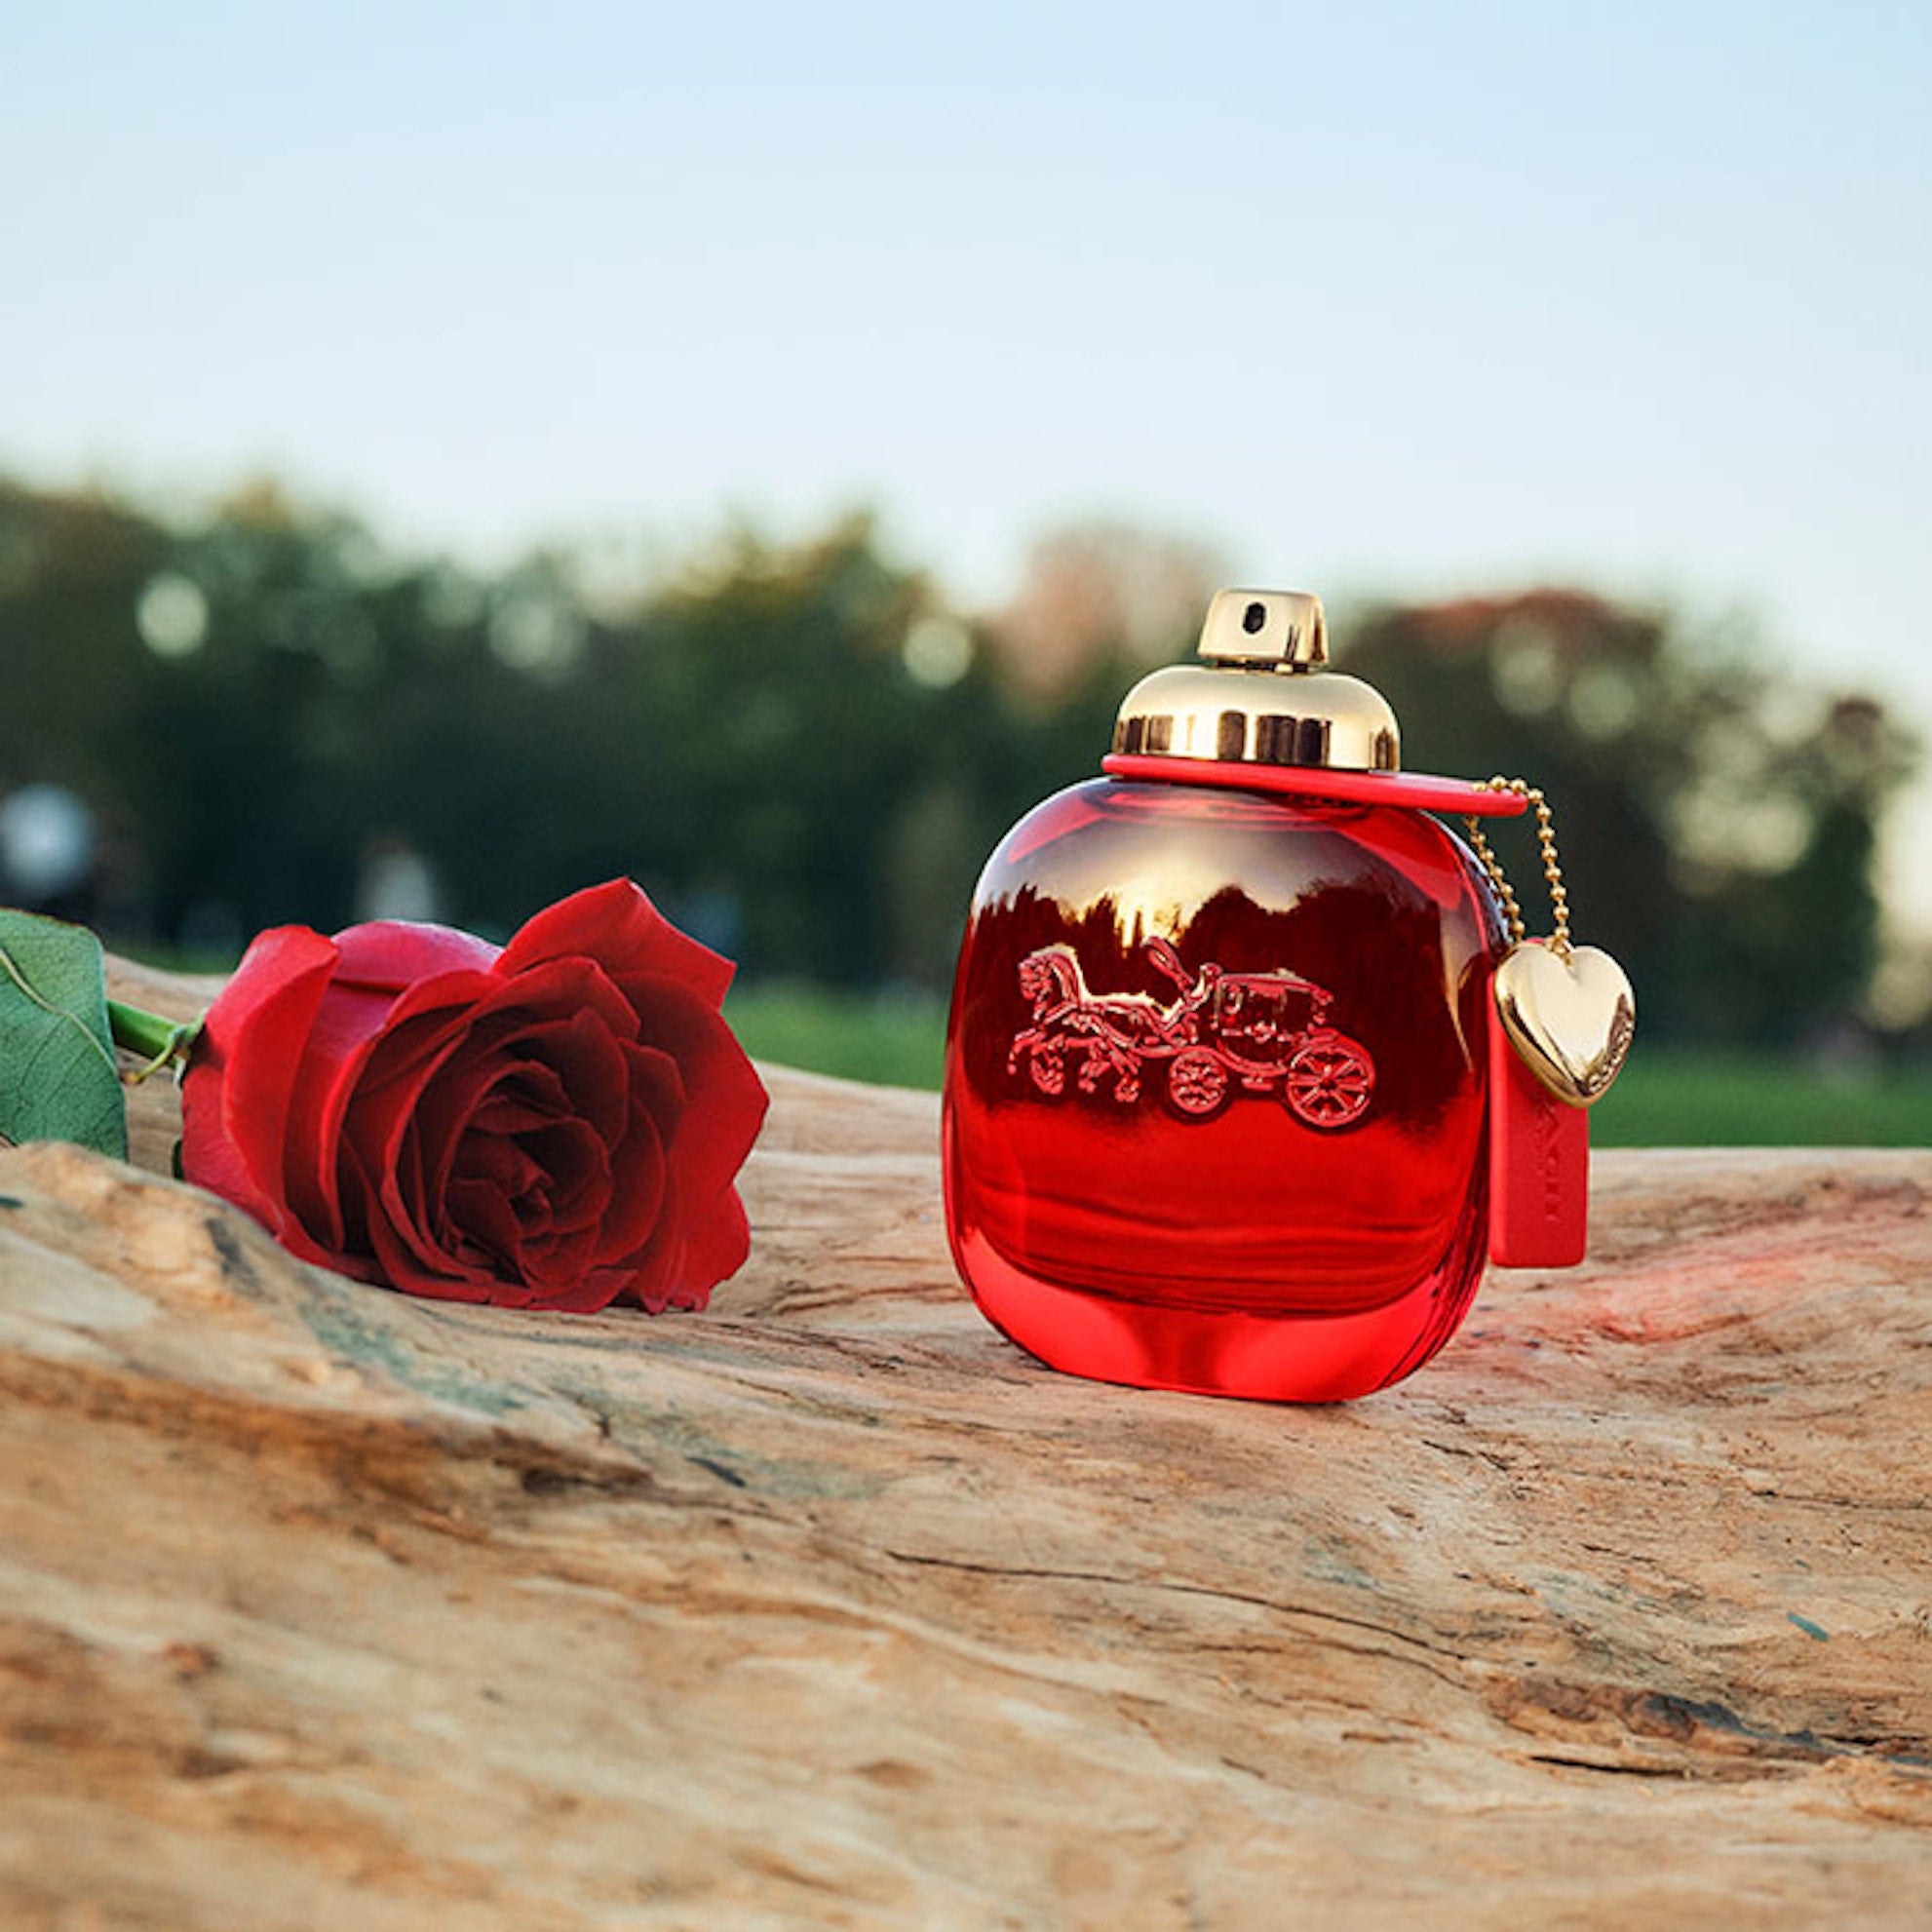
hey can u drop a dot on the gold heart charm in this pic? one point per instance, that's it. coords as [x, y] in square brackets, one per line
[1569, 1017]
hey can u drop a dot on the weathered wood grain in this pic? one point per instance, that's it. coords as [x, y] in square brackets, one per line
[322, 1607]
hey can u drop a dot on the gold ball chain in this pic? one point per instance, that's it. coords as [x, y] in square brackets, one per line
[1546, 838]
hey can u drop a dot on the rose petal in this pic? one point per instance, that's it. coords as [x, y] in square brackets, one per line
[386, 1078]
[483, 1212]
[717, 1130]
[451, 1277]
[497, 1162]
[596, 1288]
[657, 1085]
[350, 1025]
[364, 1261]
[617, 925]
[237, 1091]
[411, 1124]
[390, 954]
[588, 1063]
[650, 1272]
[638, 1176]
[717, 1240]
[427, 1019]
[569, 1160]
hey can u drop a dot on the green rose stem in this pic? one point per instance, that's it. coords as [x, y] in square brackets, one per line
[157, 1041]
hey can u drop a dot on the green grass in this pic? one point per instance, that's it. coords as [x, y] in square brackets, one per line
[1685, 1097]
[891, 1039]
[1667, 1097]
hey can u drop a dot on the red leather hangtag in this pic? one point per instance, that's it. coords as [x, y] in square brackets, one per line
[1540, 1165]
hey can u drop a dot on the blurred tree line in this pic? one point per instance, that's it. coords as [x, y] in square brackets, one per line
[806, 754]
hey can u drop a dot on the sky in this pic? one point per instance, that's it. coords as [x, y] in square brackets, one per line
[1368, 299]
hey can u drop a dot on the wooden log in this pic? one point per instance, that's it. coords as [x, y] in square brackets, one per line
[828, 1607]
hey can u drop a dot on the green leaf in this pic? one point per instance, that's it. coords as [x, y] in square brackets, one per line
[57, 1077]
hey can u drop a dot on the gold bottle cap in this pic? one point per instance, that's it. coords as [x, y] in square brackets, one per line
[1262, 696]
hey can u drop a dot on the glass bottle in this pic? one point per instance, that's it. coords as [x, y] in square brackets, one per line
[1221, 1051]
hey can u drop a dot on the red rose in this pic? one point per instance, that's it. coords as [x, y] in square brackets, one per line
[548, 1126]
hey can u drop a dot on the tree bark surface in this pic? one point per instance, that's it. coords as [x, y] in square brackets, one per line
[322, 1607]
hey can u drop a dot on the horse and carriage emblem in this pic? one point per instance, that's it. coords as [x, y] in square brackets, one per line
[1261, 1033]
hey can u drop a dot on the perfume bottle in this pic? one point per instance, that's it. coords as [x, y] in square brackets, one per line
[1229, 1107]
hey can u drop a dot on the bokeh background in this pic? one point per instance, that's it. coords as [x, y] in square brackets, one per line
[451, 455]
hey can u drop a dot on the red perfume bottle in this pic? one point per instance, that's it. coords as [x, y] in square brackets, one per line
[1227, 1104]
